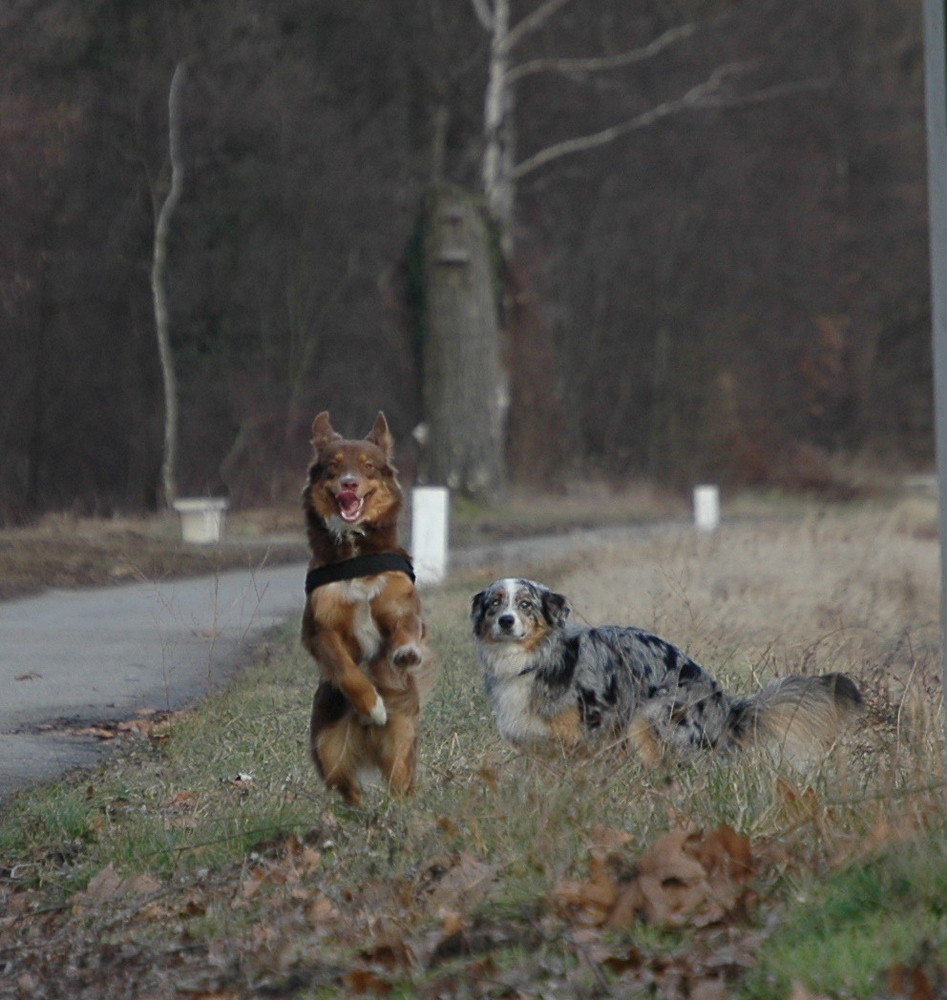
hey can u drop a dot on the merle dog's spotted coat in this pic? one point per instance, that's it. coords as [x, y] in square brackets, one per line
[551, 681]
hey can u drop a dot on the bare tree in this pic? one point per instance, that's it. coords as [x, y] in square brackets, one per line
[736, 258]
[159, 288]
[501, 171]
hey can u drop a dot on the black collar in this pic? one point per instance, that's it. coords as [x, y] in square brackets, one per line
[351, 569]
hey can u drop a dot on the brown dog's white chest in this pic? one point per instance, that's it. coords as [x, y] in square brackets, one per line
[346, 607]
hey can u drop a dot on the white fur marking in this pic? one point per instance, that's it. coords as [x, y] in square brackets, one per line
[341, 528]
[359, 593]
[379, 714]
[407, 655]
[509, 689]
[516, 720]
[521, 626]
[504, 660]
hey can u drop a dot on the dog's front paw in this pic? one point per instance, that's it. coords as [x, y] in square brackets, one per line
[378, 716]
[408, 655]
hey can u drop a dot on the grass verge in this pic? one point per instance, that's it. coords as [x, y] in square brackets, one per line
[206, 860]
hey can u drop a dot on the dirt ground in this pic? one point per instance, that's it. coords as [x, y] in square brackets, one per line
[64, 551]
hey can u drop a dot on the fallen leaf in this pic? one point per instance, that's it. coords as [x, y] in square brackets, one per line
[684, 877]
[666, 861]
[250, 885]
[304, 858]
[390, 951]
[724, 851]
[587, 903]
[321, 911]
[99, 732]
[631, 960]
[466, 880]
[609, 841]
[282, 862]
[180, 801]
[104, 885]
[108, 885]
[669, 888]
[910, 983]
[140, 885]
[365, 981]
[271, 951]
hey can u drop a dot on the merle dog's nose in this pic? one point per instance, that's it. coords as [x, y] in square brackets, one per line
[506, 622]
[349, 482]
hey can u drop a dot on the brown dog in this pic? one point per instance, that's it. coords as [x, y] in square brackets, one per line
[362, 622]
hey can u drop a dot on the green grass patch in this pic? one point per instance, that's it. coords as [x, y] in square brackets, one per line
[843, 934]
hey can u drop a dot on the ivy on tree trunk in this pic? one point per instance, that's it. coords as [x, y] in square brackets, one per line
[465, 386]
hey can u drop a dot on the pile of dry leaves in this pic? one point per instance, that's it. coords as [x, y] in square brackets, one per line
[287, 922]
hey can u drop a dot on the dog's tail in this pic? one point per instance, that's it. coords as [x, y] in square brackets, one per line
[797, 718]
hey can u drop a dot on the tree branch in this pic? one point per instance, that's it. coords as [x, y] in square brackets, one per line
[705, 95]
[531, 22]
[596, 63]
[159, 291]
[484, 14]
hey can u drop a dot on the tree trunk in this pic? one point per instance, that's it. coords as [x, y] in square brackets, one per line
[465, 387]
[498, 183]
[159, 291]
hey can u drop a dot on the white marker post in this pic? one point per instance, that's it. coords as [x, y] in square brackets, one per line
[706, 508]
[202, 519]
[429, 532]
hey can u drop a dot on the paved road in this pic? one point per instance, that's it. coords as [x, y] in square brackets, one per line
[70, 658]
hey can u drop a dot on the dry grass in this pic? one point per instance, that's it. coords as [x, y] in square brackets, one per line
[855, 590]
[589, 504]
[66, 551]
[63, 550]
[270, 887]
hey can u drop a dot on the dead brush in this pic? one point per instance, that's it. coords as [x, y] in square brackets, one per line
[849, 591]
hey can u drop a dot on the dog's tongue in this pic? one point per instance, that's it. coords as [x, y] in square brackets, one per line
[350, 505]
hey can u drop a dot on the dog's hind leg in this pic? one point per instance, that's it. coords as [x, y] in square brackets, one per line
[398, 752]
[334, 740]
[644, 740]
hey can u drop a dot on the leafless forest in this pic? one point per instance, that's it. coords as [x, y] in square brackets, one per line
[729, 280]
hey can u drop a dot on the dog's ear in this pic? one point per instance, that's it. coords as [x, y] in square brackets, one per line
[323, 434]
[380, 435]
[555, 608]
[477, 606]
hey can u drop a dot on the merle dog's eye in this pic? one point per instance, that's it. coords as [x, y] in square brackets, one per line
[494, 604]
[524, 605]
[368, 468]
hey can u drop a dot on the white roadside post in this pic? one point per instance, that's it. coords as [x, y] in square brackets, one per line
[202, 519]
[706, 508]
[429, 506]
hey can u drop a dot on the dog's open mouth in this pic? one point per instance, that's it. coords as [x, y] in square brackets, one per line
[350, 505]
